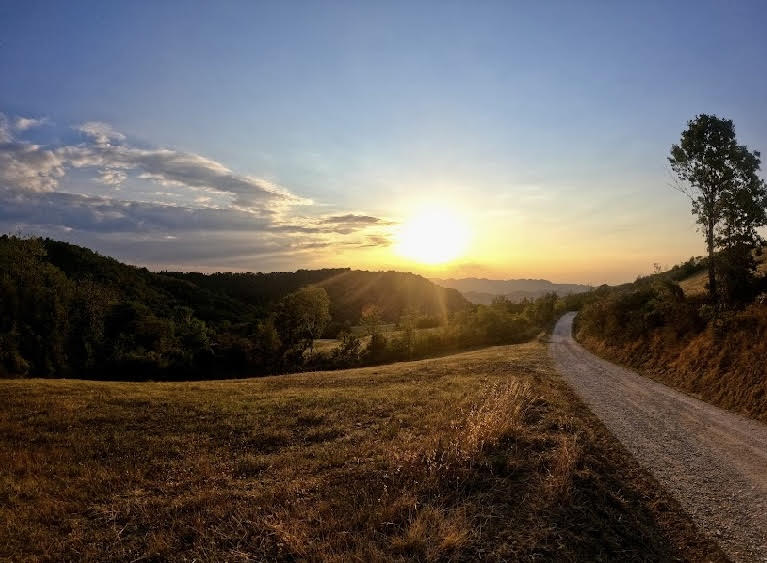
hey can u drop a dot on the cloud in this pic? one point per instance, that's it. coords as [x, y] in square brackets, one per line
[100, 133]
[26, 166]
[5, 129]
[24, 123]
[353, 219]
[107, 215]
[175, 168]
[112, 176]
[19, 124]
[376, 240]
[29, 167]
[201, 198]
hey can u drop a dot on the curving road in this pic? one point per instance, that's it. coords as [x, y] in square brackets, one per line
[714, 462]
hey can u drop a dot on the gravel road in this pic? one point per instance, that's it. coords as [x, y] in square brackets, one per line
[714, 462]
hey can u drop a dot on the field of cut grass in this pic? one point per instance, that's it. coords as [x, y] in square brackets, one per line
[481, 455]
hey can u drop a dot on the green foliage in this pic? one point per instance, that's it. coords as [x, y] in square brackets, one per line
[34, 319]
[349, 291]
[371, 319]
[348, 352]
[728, 198]
[66, 311]
[626, 315]
[686, 269]
[301, 317]
[502, 322]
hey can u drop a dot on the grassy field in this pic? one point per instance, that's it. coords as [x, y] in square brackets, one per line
[484, 454]
[327, 345]
[696, 284]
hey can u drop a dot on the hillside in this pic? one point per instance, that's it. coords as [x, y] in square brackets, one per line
[483, 291]
[394, 292]
[68, 311]
[483, 455]
[160, 292]
[695, 283]
[349, 291]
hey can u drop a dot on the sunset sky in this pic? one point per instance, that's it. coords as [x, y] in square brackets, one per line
[281, 135]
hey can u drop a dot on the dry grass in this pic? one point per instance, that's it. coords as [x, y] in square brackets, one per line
[478, 455]
[696, 284]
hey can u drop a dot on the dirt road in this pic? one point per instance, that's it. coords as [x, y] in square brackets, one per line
[713, 461]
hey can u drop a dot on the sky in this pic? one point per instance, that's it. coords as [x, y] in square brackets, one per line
[262, 136]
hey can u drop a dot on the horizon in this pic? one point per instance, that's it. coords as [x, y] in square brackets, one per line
[501, 141]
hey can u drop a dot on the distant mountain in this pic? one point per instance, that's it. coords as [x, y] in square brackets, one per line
[482, 290]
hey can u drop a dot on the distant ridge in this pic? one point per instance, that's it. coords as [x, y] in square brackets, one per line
[483, 290]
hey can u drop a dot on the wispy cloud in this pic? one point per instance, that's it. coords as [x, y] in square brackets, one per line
[24, 123]
[216, 200]
[354, 219]
[100, 133]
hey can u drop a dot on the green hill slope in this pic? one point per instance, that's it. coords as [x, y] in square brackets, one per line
[68, 311]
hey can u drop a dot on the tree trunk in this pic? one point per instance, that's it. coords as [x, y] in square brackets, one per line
[711, 266]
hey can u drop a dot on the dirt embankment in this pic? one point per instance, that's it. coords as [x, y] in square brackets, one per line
[726, 367]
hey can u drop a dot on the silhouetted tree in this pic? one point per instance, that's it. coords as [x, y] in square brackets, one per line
[301, 318]
[728, 198]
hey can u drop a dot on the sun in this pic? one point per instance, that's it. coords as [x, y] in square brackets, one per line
[433, 236]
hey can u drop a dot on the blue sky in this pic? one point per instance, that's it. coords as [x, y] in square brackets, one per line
[546, 124]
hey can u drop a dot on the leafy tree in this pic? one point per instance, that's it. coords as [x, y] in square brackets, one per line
[407, 323]
[301, 318]
[728, 197]
[348, 352]
[371, 319]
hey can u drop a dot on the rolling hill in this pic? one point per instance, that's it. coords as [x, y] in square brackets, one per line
[68, 311]
[697, 282]
[349, 290]
[241, 297]
[483, 291]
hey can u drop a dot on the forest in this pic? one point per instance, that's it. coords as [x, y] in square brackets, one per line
[66, 311]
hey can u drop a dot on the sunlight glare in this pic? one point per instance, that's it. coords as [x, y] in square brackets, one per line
[434, 236]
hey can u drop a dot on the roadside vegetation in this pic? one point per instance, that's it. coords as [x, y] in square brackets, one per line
[481, 455]
[701, 326]
[678, 338]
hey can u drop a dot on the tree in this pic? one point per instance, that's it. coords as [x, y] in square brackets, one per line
[371, 319]
[720, 178]
[407, 323]
[301, 317]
